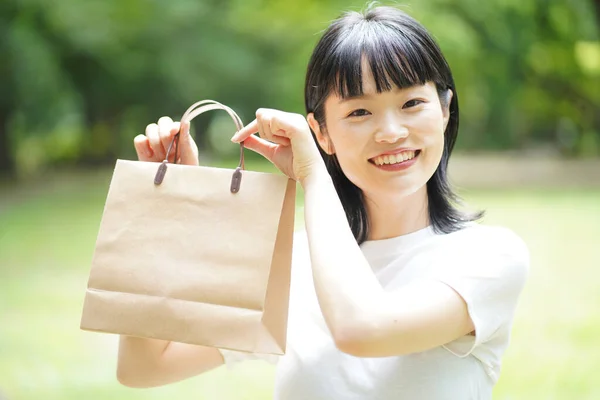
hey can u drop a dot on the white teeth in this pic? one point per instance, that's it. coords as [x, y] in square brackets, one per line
[394, 158]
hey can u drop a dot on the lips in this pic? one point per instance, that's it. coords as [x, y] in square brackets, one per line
[395, 157]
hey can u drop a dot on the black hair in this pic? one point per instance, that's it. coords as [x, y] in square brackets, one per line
[401, 53]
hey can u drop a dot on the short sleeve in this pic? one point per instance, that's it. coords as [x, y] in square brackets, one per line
[488, 270]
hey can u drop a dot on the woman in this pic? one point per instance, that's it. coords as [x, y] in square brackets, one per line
[396, 294]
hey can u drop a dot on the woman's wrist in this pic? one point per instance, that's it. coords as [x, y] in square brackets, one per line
[317, 176]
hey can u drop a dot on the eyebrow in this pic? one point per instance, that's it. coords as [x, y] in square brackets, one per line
[369, 96]
[357, 97]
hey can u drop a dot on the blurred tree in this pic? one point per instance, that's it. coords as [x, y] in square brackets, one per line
[88, 76]
[6, 91]
[78, 80]
[518, 65]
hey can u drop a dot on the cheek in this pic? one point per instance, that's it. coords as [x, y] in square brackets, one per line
[351, 158]
[434, 148]
[351, 164]
[348, 147]
[429, 126]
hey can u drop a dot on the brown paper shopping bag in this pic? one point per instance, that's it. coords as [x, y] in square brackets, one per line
[194, 254]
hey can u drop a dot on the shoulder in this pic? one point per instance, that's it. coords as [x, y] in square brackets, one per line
[488, 240]
[487, 251]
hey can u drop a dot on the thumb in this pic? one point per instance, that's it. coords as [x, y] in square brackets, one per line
[261, 146]
[188, 150]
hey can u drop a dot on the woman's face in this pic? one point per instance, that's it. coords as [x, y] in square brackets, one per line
[387, 143]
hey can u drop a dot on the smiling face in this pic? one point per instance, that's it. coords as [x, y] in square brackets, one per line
[387, 143]
[381, 100]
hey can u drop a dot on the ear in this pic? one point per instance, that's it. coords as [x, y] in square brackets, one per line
[321, 137]
[446, 107]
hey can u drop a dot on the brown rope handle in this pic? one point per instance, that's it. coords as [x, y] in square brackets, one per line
[192, 112]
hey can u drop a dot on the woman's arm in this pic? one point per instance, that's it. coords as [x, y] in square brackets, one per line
[148, 362]
[364, 319]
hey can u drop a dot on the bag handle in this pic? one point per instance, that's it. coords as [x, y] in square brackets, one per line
[192, 112]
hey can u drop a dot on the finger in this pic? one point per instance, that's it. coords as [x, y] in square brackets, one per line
[176, 127]
[164, 132]
[263, 129]
[266, 125]
[280, 140]
[261, 146]
[281, 127]
[183, 128]
[188, 150]
[155, 143]
[279, 123]
[142, 148]
[246, 131]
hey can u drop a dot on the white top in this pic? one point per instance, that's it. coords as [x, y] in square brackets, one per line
[487, 266]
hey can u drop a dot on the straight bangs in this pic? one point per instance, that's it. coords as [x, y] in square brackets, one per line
[395, 60]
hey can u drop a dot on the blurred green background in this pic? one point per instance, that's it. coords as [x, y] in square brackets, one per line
[79, 79]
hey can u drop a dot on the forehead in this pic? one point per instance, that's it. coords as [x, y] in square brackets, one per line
[369, 85]
[377, 68]
[370, 88]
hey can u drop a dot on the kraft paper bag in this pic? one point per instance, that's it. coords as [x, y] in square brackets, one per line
[194, 254]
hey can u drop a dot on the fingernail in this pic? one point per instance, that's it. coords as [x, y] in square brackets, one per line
[234, 138]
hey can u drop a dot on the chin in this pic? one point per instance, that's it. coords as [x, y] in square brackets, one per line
[398, 190]
[398, 186]
[409, 190]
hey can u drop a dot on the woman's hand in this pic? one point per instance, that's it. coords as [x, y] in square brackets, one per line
[285, 140]
[154, 144]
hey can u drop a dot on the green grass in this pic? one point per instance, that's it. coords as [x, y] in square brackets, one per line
[47, 236]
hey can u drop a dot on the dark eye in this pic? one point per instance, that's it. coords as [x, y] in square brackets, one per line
[412, 103]
[359, 113]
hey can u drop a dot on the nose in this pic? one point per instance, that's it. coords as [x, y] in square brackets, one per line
[391, 129]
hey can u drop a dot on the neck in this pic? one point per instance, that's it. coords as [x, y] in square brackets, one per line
[392, 216]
